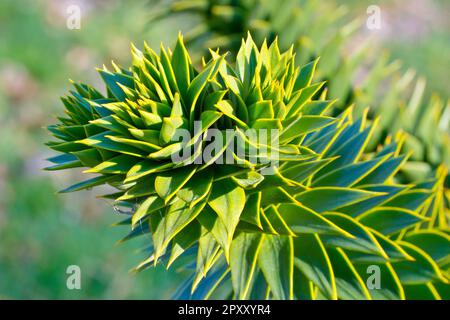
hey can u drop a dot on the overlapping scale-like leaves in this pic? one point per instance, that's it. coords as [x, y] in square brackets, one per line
[307, 216]
[356, 76]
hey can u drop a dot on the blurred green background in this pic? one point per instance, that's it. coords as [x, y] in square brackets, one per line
[41, 232]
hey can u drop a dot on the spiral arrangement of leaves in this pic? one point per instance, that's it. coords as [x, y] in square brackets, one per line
[308, 230]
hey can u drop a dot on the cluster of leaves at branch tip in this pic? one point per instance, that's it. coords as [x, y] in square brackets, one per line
[307, 231]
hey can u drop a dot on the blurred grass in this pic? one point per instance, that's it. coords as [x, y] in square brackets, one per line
[42, 233]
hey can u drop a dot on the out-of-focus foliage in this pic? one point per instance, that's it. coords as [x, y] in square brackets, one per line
[309, 229]
[40, 234]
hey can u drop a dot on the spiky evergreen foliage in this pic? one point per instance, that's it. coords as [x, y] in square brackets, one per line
[309, 230]
[318, 28]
